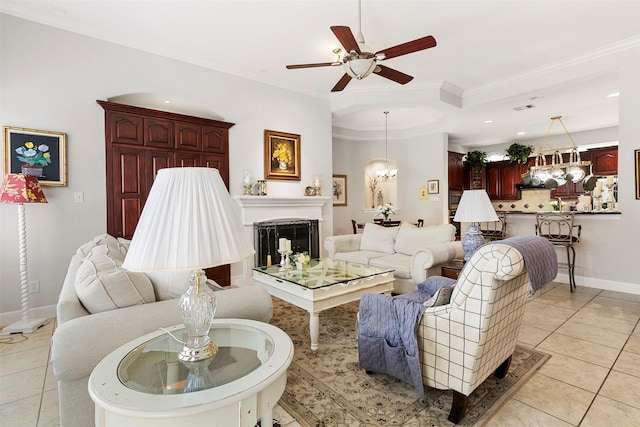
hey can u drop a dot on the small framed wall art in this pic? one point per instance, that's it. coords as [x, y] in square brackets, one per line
[339, 190]
[36, 152]
[281, 155]
[433, 186]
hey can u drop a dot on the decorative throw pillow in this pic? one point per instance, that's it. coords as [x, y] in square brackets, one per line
[442, 297]
[101, 239]
[102, 284]
[410, 239]
[378, 238]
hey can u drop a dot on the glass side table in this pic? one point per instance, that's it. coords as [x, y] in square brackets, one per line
[144, 384]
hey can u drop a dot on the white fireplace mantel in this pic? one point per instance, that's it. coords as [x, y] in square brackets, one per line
[264, 208]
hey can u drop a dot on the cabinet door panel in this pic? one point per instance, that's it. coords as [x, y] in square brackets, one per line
[456, 171]
[187, 160]
[510, 175]
[154, 161]
[188, 136]
[605, 161]
[129, 191]
[493, 181]
[125, 129]
[219, 162]
[214, 139]
[158, 133]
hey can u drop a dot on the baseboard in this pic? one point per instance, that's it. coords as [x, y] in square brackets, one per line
[36, 312]
[607, 285]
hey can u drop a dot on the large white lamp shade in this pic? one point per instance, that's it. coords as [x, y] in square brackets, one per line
[189, 222]
[474, 207]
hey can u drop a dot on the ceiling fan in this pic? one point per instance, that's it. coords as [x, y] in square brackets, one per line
[359, 61]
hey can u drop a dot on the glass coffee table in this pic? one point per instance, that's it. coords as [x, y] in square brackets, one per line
[143, 383]
[325, 283]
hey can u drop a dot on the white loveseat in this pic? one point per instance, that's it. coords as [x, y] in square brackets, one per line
[413, 252]
[125, 306]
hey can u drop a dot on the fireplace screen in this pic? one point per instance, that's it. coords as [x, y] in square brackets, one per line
[303, 234]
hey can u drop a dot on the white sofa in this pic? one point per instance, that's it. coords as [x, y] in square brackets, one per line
[82, 339]
[413, 252]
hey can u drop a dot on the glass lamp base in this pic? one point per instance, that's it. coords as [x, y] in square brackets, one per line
[190, 354]
[198, 306]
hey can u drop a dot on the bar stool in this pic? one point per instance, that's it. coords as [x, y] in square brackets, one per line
[560, 230]
[495, 230]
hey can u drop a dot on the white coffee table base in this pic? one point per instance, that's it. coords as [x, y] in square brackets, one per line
[315, 301]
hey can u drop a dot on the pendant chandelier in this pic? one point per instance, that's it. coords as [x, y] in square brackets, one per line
[386, 175]
[558, 172]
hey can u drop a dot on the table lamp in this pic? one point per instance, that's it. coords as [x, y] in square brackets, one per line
[20, 189]
[474, 207]
[189, 222]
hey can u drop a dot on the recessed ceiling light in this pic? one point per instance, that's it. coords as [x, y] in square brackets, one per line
[488, 121]
[166, 101]
[520, 133]
[613, 95]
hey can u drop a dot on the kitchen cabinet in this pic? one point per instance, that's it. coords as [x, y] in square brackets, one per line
[502, 178]
[604, 160]
[455, 171]
[141, 141]
[474, 177]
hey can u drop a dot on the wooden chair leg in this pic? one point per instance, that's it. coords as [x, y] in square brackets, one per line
[458, 407]
[502, 370]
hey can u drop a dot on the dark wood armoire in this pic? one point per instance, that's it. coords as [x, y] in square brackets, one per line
[141, 141]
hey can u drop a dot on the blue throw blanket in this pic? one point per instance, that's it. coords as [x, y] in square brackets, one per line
[387, 340]
[539, 257]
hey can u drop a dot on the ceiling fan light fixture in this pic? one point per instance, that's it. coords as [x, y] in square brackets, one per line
[360, 65]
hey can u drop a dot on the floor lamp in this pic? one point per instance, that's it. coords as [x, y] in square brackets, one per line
[20, 189]
[189, 222]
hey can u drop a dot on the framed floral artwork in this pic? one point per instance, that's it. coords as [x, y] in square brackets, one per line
[433, 186]
[281, 155]
[36, 152]
[339, 190]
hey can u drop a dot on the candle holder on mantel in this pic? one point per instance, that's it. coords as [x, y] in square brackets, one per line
[285, 263]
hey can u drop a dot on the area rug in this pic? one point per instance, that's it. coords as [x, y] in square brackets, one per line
[329, 389]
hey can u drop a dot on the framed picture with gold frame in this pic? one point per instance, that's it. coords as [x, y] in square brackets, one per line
[281, 155]
[36, 152]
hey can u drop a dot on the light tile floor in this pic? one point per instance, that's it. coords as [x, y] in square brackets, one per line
[592, 378]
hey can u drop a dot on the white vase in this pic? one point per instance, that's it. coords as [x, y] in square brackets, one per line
[282, 166]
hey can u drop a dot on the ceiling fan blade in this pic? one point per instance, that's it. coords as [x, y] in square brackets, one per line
[320, 64]
[342, 83]
[408, 47]
[392, 74]
[346, 39]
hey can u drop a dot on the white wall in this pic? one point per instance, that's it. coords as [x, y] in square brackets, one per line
[418, 158]
[50, 80]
